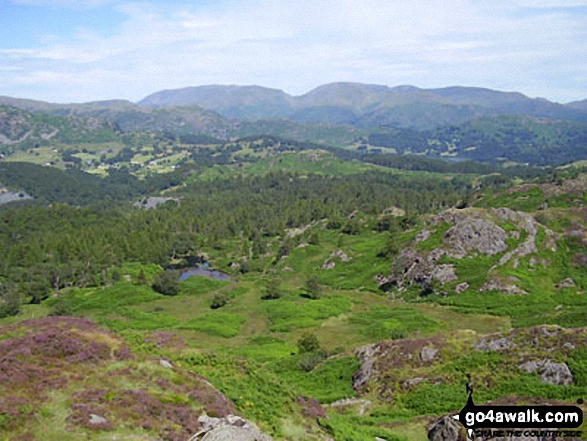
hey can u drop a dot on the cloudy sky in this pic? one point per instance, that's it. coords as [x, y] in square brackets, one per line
[82, 50]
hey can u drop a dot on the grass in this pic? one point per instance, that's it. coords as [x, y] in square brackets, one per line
[217, 323]
[328, 382]
[248, 348]
[400, 322]
[288, 314]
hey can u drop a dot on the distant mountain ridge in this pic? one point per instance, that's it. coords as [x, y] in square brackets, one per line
[459, 122]
[366, 105]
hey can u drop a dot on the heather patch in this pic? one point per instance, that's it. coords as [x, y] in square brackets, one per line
[172, 421]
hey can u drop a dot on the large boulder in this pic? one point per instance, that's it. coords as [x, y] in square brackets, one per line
[447, 429]
[553, 373]
[229, 428]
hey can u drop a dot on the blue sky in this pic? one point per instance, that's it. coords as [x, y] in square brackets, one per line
[76, 50]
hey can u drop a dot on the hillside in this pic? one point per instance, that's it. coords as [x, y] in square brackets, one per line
[308, 246]
[28, 129]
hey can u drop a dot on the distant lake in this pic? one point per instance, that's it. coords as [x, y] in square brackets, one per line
[204, 272]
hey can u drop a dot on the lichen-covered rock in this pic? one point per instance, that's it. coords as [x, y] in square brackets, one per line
[499, 344]
[553, 373]
[366, 355]
[447, 429]
[230, 428]
[495, 284]
[428, 354]
[567, 283]
[477, 233]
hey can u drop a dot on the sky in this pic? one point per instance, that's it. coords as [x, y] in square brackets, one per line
[86, 50]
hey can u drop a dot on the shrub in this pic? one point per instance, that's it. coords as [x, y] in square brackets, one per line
[308, 343]
[313, 288]
[273, 289]
[167, 283]
[218, 301]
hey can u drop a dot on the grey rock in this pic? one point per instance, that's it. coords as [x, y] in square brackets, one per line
[11, 196]
[444, 273]
[569, 345]
[498, 285]
[328, 265]
[367, 356]
[567, 283]
[230, 428]
[479, 234]
[348, 402]
[152, 202]
[447, 429]
[500, 344]
[341, 255]
[97, 419]
[423, 235]
[552, 373]
[412, 382]
[461, 287]
[166, 364]
[428, 354]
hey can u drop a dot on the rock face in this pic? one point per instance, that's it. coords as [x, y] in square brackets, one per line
[476, 233]
[500, 344]
[553, 373]
[378, 359]
[469, 233]
[229, 428]
[447, 429]
[10, 196]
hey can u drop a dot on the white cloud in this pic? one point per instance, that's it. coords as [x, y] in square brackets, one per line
[78, 4]
[298, 45]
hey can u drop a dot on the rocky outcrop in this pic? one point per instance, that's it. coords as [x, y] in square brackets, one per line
[11, 196]
[499, 344]
[495, 284]
[447, 429]
[153, 201]
[361, 405]
[567, 283]
[229, 428]
[469, 233]
[552, 373]
[475, 232]
[428, 354]
[338, 254]
[377, 359]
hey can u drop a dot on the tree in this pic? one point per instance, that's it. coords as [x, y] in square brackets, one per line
[167, 283]
[141, 278]
[390, 247]
[218, 301]
[308, 343]
[313, 288]
[273, 289]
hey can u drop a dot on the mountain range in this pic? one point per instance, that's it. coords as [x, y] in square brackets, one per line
[465, 122]
[366, 105]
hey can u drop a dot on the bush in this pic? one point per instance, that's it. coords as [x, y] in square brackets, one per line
[218, 301]
[167, 283]
[273, 289]
[10, 308]
[310, 360]
[308, 343]
[313, 288]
